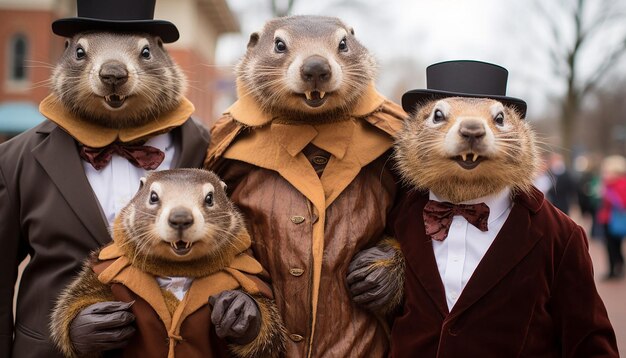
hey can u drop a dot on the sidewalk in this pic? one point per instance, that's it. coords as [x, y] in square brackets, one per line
[613, 292]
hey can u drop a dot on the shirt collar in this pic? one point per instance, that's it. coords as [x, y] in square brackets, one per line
[498, 203]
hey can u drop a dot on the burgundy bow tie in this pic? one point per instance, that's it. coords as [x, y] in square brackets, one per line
[438, 217]
[141, 156]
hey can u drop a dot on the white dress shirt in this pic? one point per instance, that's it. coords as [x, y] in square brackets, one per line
[176, 285]
[115, 184]
[460, 253]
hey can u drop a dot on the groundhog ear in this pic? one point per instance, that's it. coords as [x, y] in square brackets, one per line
[351, 31]
[142, 182]
[254, 38]
[224, 186]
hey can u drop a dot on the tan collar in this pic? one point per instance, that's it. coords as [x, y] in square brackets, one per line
[97, 136]
[334, 138]
[247, 111]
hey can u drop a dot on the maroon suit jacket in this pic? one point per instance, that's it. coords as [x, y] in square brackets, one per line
[532, 295]
[49, 211]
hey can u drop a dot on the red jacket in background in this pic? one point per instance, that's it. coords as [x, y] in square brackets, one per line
[613, 190]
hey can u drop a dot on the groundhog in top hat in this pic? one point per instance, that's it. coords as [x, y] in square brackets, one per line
[492, 268]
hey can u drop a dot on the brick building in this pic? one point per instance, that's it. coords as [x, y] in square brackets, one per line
[29, 50]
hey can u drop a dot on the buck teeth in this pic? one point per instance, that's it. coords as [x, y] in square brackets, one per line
[308, 95]
[464, 156]
[322, 94]
[474, 157]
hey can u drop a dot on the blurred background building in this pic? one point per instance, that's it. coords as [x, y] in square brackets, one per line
[29, 51]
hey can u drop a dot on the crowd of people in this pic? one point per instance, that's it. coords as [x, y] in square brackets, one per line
[600, 192]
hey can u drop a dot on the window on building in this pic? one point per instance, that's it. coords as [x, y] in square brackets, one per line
[18, 50]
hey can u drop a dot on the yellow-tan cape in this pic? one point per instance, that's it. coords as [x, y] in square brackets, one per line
[96, 136]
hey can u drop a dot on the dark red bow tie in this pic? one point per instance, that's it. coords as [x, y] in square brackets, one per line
[141, 156]
[438, 217]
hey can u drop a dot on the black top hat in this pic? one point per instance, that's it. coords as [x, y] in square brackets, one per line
[116, 16]
[463, 79]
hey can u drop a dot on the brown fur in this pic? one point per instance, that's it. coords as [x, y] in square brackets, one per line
[425, 163]
[155, 86]
[84, 291]
[395, 267]
[225, 234]
[272, 337]
[262, 73]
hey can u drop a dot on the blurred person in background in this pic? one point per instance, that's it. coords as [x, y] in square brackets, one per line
[589, 198]
[563, 188]
[613, 195]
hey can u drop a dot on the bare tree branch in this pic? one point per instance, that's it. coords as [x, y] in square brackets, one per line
[603, 68]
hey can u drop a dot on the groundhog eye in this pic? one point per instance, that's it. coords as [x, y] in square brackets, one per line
[80, 53]
[208, 200]
[343, 46]
[145, 53]
[499, 119]
[438, 117]
[154, 198]
[279, 46]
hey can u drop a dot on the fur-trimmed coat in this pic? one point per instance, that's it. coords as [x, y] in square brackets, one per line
[167, 327]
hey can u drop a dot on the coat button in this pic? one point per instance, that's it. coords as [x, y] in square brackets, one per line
[297, 219]
[453, 332]
[319, 160]
[296, 272]
[296, 337]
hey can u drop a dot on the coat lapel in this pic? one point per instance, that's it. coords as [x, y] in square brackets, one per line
[194, 141]
[59, 157]
[514, 241]
[423, 263]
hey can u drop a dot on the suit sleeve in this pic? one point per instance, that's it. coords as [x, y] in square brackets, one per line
[581, 319]
[11, 255]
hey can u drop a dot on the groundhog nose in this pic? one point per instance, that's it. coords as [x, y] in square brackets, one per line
[113, 73]
[180, 218]
[315, 69]
[472, 130]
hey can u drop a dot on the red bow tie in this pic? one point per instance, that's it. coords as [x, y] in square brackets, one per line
[438, 217]
[141, 156]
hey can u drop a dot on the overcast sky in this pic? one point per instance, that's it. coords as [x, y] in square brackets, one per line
[428, 31]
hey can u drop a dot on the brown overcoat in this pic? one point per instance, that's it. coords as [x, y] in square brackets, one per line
[306, 228]
[532, 294]
[49, 211]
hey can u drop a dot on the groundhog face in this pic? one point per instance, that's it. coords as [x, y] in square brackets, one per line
[305, 67]
[117, 80]
[180, 215]
[466, 148]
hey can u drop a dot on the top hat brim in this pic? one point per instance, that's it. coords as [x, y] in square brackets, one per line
[69, 27]
[414, 98]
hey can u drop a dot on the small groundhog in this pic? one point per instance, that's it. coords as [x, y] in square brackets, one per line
[117, 80]
[180, 224]
[304, 151]
[493, 269]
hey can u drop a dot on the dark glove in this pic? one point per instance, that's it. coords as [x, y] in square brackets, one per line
[102, 326]
[236, 316]
[372, 279]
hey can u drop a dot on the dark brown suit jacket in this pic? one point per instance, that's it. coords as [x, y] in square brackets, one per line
[532, 295]
[49, 211]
